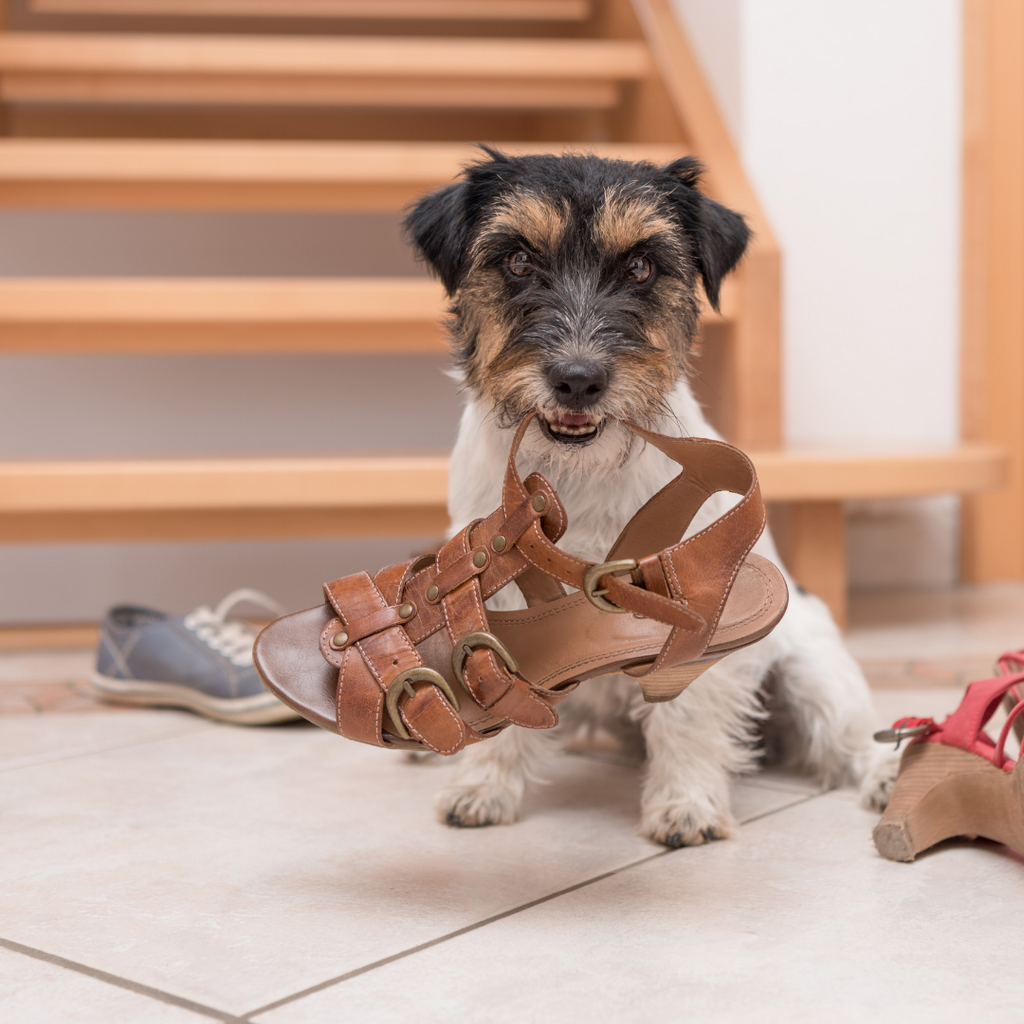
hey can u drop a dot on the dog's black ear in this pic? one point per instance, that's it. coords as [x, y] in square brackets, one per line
[438, 226]
[441, 224]
[721, 234]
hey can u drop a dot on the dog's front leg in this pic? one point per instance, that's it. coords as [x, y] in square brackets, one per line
[695, 744]
[491, 779]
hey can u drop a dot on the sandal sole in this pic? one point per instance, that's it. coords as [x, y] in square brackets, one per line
[943, 792]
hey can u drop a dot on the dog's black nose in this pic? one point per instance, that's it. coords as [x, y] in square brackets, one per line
[579, 383]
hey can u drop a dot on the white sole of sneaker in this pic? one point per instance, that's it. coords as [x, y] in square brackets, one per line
[259, 709]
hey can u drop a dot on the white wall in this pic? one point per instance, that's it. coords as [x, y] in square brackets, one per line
[847, 117]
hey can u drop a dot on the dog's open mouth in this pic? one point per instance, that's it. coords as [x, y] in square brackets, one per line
[571, 427]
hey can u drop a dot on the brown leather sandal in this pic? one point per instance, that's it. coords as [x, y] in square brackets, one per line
[411, 659]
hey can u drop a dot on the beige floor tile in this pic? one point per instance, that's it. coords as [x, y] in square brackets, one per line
[783, 779]
[233, 866]
[977, 622]
[45, 666]
[35, 992]
[796, 920]
[39, 682]
[750, 802]
[32, 739]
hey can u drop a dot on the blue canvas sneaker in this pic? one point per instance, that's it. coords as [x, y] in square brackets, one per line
[201, 662]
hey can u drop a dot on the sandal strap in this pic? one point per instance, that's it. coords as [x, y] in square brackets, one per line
[682, 583]
[964, 728]
[387, 695]
[1012, 716]
[369, 666]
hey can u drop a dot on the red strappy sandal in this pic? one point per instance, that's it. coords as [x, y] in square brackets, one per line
[411, 659]
[954, 780]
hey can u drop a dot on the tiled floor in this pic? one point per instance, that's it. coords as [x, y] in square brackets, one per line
[158, 867]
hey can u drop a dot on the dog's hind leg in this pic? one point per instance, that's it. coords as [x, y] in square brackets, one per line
[492, 777]
[826, 701]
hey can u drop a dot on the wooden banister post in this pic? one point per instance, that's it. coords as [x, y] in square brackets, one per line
[992, 306]
[755, 364]
[4, 112]
[811, 537]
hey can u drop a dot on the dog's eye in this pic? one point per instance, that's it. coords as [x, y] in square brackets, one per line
[638, 268]
[520, 263]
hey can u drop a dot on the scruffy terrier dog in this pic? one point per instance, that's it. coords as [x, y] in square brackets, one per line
[574, 286]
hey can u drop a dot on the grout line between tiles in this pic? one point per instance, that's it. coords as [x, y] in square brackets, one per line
[64, 755]
[756, 783]
[119, 982]
[384, 961]
[807, 798]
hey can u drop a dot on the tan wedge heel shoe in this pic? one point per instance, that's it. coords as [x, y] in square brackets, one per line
[410, 658]
[953, 780]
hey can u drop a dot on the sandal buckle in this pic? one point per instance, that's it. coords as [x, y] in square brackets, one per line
[479, 638]
[402, 683]
[593, 575]
[897, 734]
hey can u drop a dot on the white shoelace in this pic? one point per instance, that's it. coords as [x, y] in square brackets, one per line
[233, 640]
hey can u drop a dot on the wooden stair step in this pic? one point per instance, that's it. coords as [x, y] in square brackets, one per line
[550, 74]
[177, 499]
[223, 315]
[230, 315]
[231, 175]
[418, 10]
[829, 475]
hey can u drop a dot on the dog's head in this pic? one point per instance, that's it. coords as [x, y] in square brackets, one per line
[574, 283]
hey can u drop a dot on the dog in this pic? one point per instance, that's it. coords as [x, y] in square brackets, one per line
[575, 294]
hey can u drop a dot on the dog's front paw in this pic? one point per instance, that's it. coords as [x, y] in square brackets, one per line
[483, 804]
[684, 825]
[876, 786]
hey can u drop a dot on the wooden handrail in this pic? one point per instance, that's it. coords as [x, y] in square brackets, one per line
[696, 108]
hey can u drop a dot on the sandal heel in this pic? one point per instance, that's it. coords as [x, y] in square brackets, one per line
[938, 795]
[666, 685]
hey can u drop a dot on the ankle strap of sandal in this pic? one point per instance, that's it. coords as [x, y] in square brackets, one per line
[964, 728]
[651, 572]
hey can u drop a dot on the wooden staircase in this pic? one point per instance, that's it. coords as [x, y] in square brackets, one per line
[358, 105]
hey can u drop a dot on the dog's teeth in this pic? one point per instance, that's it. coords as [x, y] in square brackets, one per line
[569, 431]
[560, 428]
